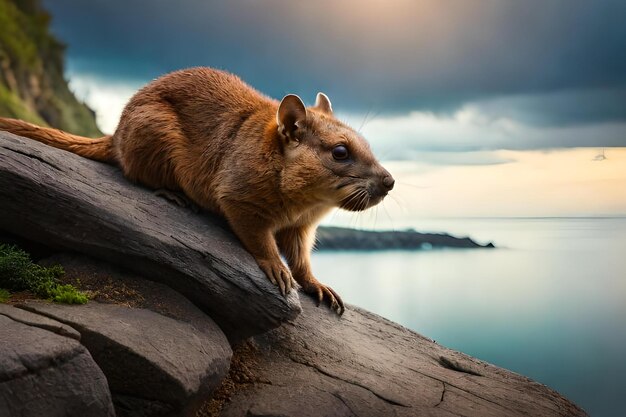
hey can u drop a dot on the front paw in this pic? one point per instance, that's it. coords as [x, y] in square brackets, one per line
[324, 293]
[278, 274]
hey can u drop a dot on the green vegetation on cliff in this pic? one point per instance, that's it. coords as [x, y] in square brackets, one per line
[32, 85]
[19, 273]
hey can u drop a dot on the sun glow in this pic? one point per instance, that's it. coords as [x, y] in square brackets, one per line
[570, 182]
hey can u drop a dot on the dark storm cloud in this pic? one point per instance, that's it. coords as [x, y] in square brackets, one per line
[385, 55]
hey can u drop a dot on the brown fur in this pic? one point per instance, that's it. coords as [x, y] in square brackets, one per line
[267, 167]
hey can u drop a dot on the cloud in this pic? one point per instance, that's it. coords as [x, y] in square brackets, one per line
[417, 135]
[565, 182]
[473, 158]
[571, 107]
[106, 97]
[413, 55]
[461, 138]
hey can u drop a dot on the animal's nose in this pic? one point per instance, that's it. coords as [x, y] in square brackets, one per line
[388, 182]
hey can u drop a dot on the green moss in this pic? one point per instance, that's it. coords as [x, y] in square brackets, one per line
[15, 39]
[19, 273]
[4, 295]
[67, 294]
[32, 73]
[75, 117]
[12, 106]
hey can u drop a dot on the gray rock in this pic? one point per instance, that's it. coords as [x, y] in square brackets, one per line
[361, 364]
[91, 208]
[46, 374]
[111, 284]
[36, 320]
[154, 364]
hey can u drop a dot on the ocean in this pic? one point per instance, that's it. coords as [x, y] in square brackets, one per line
[549, 302]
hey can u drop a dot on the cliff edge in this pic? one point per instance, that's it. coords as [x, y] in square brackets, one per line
[290, 358]
[32, 83]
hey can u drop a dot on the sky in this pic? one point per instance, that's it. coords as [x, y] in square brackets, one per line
[512, 97]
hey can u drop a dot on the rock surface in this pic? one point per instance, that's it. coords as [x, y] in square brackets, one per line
[154, 364]
[315, 364]
[36, 320]
[363, 365]
[43, 373]
[113, 285]
[98, 212]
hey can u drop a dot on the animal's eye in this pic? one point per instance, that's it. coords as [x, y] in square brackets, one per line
[340, 152]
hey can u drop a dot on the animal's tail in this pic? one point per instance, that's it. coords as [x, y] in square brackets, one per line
[100, 149]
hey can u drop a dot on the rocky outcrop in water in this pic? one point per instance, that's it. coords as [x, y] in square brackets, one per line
[338, 238]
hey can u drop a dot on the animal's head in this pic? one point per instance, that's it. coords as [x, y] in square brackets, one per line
[326, 160]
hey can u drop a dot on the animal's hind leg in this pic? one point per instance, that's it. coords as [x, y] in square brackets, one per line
[178, 198]
[148, 142]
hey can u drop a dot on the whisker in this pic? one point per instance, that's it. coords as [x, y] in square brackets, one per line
[399, 198]
[365, 199]
[375, 216]
[353, 220]
[359, 203]
[400, 206]
[364, 120]
[347, 201]
[413, 185]
[357, 199]
[372, 118]
[390, 220]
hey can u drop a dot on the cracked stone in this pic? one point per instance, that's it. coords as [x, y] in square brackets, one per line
[36, 320]
[152, 362]
[46, 374]
[363, 365]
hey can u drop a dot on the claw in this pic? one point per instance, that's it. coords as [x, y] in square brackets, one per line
[340, 307]
[287, 281]
[270, 275]
[323, 292]
[281, 285]
[278, 274]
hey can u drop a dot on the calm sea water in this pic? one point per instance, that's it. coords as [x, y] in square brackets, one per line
[549, 302]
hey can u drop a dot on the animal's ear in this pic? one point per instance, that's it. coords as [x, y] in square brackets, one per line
[291, 115]
[322, 103]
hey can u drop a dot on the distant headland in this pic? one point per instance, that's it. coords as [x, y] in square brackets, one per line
[338, 238]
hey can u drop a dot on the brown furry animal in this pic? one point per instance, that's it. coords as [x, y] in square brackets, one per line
[273, 170]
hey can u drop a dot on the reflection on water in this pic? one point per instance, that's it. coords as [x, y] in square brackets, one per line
[550, 303]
